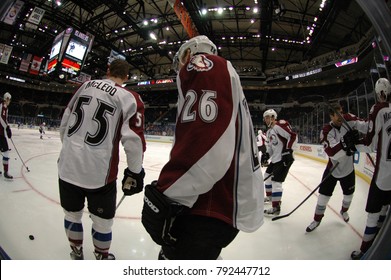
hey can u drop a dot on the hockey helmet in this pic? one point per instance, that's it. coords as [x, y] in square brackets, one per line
[7, 95]
[270, 113]
[382, 88]
[198, 44]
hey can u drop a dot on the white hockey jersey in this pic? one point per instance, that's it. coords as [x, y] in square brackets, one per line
[99, 115]
[214, 165]
[379, 139]
[3, 118]
[330, 138]
[261, 143]
[280, 137]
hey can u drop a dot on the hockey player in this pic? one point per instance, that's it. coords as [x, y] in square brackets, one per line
[5, 130]
[279, 149]
[216, 186]
[339, 144]
[261, 142]
[100, 114]
[378, 139]
[41, 130]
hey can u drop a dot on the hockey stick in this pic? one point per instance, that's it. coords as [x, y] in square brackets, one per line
[311, 193]
[119, 203]
[268, 176]
[12, 141]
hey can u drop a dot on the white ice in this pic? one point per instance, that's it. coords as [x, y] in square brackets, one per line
[29, 205]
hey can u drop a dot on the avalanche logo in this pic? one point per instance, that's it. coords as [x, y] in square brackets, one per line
[199, 63]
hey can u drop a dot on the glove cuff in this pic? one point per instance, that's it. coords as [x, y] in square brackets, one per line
[127, 172]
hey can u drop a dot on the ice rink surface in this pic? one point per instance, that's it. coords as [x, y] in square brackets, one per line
[29, 205]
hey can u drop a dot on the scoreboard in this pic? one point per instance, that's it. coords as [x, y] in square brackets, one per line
[68, 54]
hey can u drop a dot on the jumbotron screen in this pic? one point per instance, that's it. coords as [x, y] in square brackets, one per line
[55, 53]
[68, 54]
[55, 49]
[76, 50]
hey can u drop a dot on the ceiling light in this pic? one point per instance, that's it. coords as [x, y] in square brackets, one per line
[153, 36]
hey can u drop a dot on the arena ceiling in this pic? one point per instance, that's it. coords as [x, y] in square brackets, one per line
[255, 35]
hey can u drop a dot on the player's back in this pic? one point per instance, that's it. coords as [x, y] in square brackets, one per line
[89, 157]
[381, 113]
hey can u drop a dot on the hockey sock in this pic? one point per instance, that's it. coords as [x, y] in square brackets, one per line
[276, 204]
[268, 189]
[277, 193]
[370, 231]
[382, 216]
[321, 207]
[5, 166]
[101, 234]
[74, 232]
[74, 228]
[347, 200]
[5, 162]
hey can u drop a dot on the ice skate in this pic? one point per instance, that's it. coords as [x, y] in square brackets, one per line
[312, 226]
[99, 256]
[345, 216]
[77, 254]
[356, 255]
[272, 211]
[7, 176]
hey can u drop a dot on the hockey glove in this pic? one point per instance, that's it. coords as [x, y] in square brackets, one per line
[9, 132]
[132, 183]
[349, 140]
[158, 215]
[287, 157]
[264, 159]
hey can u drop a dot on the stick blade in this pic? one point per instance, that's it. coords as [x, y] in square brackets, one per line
[280, 217]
